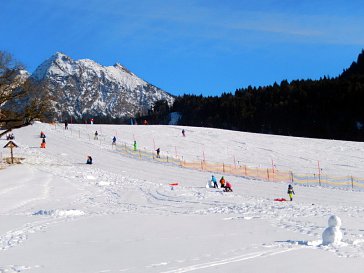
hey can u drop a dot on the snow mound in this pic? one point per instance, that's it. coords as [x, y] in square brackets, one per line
[104, 183]
[332, 234]
[60, 213]
[90, 177]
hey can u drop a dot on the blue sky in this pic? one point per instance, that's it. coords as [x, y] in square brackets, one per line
[191, 46]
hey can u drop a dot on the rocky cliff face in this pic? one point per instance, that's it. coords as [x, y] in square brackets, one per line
[84, 87]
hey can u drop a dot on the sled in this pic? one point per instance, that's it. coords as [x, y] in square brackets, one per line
[280, 199]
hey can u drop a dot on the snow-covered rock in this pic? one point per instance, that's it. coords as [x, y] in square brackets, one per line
[84, 87]
[332, 234]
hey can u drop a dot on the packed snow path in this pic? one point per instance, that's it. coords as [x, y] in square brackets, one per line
[121, 215]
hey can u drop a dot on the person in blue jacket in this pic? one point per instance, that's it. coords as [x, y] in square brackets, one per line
[213, 179]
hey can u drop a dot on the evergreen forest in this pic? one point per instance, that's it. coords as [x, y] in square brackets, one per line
[330, 108]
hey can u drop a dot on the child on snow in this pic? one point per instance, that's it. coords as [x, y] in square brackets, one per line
[89, 160]
[290, 192]
[158, 152]
[228, 186]
[214, 181]
[43, 144]
[222, 182]
[96, 135]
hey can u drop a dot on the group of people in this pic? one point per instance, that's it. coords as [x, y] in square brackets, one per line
[226, 185]
[10, 136]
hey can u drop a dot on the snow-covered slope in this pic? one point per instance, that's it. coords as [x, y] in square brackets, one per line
[84, 87]
[120, 214]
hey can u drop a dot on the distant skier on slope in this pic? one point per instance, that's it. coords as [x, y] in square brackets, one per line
[158, 152]
[89, 160]
[96, 135]
[135, 145]
[43, 144]
[183, 132]
[290, 192]
[114, 140]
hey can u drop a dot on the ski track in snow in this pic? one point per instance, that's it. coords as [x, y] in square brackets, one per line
[235, 259]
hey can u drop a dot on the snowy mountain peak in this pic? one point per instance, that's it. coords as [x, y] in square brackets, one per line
[122, 68]
[84, 87]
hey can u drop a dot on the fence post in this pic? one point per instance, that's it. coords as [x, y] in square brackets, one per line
[245, 170]
[167, 158]
[352, 182]
[268, 173]
[223, 167]
[201, 165]
[291, 176]
[319, 172]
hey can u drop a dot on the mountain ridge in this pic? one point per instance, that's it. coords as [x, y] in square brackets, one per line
[82, 88]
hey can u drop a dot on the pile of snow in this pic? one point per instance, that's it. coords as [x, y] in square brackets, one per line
[332, 234]
[60, 213]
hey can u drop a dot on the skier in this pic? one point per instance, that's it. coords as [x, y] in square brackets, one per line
[89, 160]
[135, 145]
[66, 125]
[290, 192]
[96, 135]
[213, 179]
[183, 132]
[158, 151]
[43, 144]
[228, 187]
[222, 182]
[42, 135]
[114, 140]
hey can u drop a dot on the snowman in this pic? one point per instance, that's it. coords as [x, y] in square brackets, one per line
[332, 233]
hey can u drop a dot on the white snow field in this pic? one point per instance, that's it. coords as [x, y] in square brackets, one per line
[120, 214]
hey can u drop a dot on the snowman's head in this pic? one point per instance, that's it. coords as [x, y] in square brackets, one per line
[334, 221]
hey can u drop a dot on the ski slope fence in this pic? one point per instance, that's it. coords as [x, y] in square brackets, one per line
[266, 174]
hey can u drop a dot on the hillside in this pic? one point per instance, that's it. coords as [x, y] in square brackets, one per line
[120, 214]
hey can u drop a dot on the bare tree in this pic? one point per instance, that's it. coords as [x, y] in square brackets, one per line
[22, 100]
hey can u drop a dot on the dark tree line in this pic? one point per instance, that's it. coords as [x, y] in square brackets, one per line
[326, 108]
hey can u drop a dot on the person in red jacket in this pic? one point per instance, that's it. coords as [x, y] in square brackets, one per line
[228, 186]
